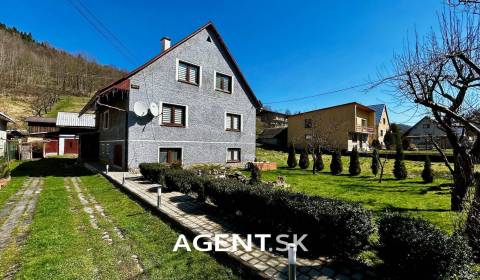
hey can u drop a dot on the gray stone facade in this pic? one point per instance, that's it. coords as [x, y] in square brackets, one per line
[204, 139]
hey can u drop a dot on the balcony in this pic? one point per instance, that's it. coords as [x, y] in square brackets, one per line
[364, 129]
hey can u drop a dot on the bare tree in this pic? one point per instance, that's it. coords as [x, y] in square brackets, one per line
[441, 73]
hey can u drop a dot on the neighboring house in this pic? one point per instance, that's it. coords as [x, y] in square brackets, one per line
[382, 121]
[423, 131]
[60, 135]
[4, 120]
[272, 119]
[341, 127]
[207, 109]
[274, 137]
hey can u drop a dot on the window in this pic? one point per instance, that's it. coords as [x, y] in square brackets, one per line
[173, 115]
[426, 125]
[233, 155]
[384, 121]
[364, 122]
[106, 119]
[308, 123]
[308, 137]
[381, 132]
[223, 82]
[233, 122]
[188, 73]
[170, 155]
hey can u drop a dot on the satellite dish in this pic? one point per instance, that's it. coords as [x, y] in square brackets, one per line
[140, 109]
[154, 109]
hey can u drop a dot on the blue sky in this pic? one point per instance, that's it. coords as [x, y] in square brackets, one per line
[286, 49]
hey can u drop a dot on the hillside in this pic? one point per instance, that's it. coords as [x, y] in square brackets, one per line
[38, 79]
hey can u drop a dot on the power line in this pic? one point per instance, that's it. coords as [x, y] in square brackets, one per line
[373, 83]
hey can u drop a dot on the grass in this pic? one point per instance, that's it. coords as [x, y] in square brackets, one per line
[68, 103]
[62, 244]
[412, 196]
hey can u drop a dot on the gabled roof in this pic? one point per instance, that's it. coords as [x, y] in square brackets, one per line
[336, 106]
[378, 108]
[65, 119]
[269, 133]
[5, 117]
[122, 82]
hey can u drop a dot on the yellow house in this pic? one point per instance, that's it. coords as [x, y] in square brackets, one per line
[339, 127]
[382, 121]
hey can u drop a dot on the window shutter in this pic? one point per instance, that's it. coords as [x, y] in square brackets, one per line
[229, 121]
[218, 81]
[166, 114]
[193, 74]
[182, 71]
[226, 83]
[236, 122]
[178, 115]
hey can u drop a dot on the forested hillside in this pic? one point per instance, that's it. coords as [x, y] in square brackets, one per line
[34, 76]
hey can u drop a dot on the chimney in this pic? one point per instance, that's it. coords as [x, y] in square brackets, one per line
[165, 43]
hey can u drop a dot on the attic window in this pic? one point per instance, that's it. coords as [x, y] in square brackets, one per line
[209, 39]
[188, 73]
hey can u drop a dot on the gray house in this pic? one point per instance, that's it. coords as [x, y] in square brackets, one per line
[206, 108]
[422, 133]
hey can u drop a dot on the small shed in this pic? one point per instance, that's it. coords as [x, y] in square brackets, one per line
[274, 137]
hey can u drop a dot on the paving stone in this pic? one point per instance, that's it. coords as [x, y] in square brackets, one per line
[270, 272]
[246, 257]
[328, 271]
[342, 277]
[261, 266]
[357, 276]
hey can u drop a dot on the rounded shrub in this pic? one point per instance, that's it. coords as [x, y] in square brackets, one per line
[304, 161]
[152, 171]
[413, 248]
[427, 173]
[375, 162]
[354, 168]
[336, 166]
[292, 158]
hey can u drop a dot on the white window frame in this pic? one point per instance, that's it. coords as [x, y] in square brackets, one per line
[215, 82]
[160, 117]
[225, 121]
[176, 147]
[177, 61]
[227, 155]
[106, 125]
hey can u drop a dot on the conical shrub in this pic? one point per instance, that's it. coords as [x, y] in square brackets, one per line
[427, 173]
[318, 164]
[336, 166]
[304, 162]
[375, 163]
[399, 169]
[354, 168]
[292, 157]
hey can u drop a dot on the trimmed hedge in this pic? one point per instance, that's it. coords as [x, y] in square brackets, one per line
[334, 227]
[413, 248]
[4, 169]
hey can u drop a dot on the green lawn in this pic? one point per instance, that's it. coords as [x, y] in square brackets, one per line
[68, 103]
[412, 196]
[62, 244]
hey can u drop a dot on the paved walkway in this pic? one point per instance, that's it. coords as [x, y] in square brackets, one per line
[202, 220]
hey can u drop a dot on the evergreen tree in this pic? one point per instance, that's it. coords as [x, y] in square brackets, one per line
[292, 158]
[354, 167]
[256, 176]
[304, 162]
[318, 164]
[336, 166]
[375, 162]
[399, 169]
[427, 174]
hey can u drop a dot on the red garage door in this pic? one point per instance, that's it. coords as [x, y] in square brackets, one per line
[51, 147]
[71, 146]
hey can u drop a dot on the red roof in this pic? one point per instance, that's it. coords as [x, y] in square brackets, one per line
[124, 82]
